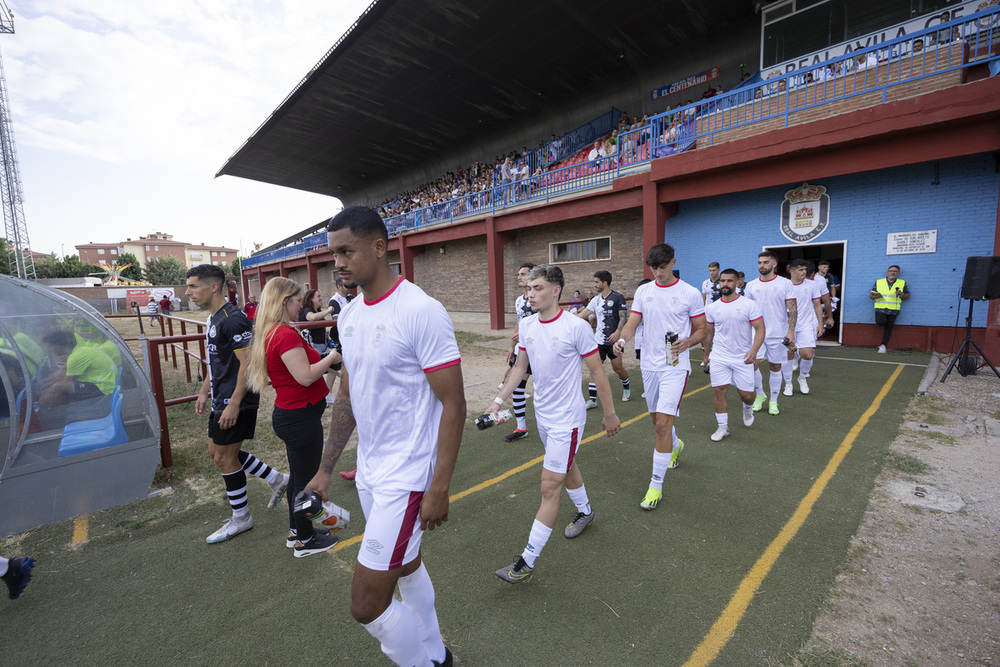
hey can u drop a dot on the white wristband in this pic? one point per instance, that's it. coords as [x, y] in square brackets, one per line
[498, 400]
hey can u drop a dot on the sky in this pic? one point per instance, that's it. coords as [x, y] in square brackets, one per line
[124, 111]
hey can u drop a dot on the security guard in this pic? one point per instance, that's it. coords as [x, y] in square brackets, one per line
[888, 294]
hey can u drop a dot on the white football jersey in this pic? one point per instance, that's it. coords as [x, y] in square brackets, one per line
[664, 309]
[805, 293]
[771, 296]
[733, 330]
[556, 349]
[389, 347]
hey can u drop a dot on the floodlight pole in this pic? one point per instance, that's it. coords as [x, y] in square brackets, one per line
[11, 196]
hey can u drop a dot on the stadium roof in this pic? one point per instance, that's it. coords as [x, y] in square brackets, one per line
[413, 77]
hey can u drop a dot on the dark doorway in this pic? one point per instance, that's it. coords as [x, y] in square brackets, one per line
[836, 254]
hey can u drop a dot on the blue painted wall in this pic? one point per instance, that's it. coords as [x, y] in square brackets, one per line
[864, 208]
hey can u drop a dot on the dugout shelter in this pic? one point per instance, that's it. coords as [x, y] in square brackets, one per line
[79, 429]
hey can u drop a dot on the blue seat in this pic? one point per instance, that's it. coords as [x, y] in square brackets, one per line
[86, 436]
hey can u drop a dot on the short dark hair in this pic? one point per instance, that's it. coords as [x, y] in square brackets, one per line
[796, 263]
[711, 264]
[60, 338]
[550, 273]
[740, 274]
[732, 272]
[526, 265]
[207, 273]
[603, 276]
[659, 254]
[767, 253]
[362, 221]
[895, 266]
[644, 281]
[823, 262]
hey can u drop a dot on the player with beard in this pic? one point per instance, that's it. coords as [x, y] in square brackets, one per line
[776, 300]
[401, 387]
[809, 324]
[735, 334]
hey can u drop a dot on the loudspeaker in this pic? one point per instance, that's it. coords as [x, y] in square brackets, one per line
[982, 278]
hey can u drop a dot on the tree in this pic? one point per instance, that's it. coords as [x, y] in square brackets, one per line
[165, 271]
[133, 272]
[72, 267]
[4, 263]
[235, 268]
[48, 267]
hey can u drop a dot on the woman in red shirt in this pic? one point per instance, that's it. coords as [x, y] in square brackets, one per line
[279, 354]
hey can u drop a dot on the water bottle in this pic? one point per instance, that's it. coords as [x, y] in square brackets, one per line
[671, 338]
[309, 505]
[489, 419]
[788, 343]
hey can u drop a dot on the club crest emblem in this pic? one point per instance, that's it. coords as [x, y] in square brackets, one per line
[805, 213]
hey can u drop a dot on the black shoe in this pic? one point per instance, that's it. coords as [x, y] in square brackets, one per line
[516, 435]
[293, 539]
[447, 662]
[18, 575]
[317, 544]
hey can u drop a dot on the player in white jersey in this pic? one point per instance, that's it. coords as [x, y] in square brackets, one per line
[401, 386]
[522, 309]
[735, 334]
[774, 297]
[665, 307]
[809, 325]
[556, 344]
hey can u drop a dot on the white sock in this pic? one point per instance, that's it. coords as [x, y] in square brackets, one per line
[660, 462]
[537, 538]
[805, 366]
[579, 498]
[774, 385]
[723, 419]
[676, 440]
[786, 371]
[417, 592]
[396, 629]
[758, 382]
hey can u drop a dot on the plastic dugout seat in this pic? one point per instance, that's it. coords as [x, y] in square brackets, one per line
[93, 434]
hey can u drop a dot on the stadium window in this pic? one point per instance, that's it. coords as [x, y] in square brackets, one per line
[580, 251]
[100, 251]
[222, 254]
[397, 268]
[215, 254]
[114, 252]
[147, 248]
[156, 248]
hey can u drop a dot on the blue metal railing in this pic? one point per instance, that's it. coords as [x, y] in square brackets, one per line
[947, 47]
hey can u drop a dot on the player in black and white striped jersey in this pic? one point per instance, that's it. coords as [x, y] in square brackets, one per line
[522, 309]
[608, 306]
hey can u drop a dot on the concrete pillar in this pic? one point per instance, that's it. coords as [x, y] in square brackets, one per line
[654, 218]
[495, 241]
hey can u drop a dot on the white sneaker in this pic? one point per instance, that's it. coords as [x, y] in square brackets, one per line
[788, 389]
[591, 404]
[795, 364]
[720, 433]
[747, 415]
[881, 349]
[627, 395]
[231, 529]
[803, 385]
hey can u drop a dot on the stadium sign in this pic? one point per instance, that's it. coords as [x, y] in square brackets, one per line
[684, 84]
[872, 40]
[805, 213]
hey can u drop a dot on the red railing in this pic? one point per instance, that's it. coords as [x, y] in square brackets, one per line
[170, 344]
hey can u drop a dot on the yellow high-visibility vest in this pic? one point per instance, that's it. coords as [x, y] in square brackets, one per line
[887, 295]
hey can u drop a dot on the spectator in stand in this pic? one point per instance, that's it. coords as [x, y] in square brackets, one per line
[577, 303]
[708, 92]
[946, 35]
[234, 296]
[506, 177]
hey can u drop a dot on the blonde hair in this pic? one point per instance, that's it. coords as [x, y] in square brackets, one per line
[270, 314]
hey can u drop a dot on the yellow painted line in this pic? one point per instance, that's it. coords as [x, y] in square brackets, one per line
[513, 471]
[81, 525]
[723, 628]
